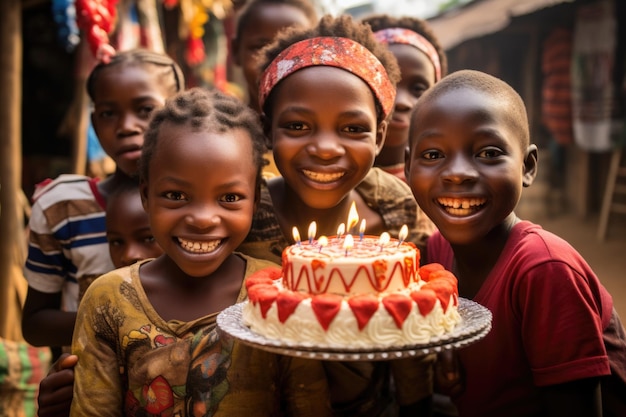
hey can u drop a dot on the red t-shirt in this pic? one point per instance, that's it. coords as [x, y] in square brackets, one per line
[549, 312]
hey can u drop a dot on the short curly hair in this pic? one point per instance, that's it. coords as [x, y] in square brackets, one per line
[343, 26]
[204, 110]
[382, 21]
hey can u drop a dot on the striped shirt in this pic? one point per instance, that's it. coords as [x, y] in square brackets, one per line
[67, 246]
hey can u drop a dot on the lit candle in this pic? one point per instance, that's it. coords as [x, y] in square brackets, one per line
[383, 240]
[312, 231]
[296, 235]
[362, 230]
[348, 243]
[341, 230]
[404, 232]
[322, 241]
[353, 217]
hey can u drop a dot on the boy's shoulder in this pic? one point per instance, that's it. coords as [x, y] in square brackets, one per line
[65, 187]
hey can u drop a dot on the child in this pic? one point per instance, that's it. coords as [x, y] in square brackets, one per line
[128, 228]
[422, 63]
[556, 346]
[145, 336]
[68, 246]
[257, 25]
[326, 94]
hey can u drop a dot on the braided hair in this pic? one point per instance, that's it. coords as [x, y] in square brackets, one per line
[205, 110]
[166, 68]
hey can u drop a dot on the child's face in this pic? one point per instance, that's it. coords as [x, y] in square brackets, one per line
[124, 99]
[263, 25]
[128, 230]
[324, 132]
[418, 75]
[200, 195]
[467, 164]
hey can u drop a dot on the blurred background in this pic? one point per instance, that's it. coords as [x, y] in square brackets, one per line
[566, 59]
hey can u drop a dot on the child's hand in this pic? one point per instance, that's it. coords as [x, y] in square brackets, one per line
[448, 374]
[57, 388]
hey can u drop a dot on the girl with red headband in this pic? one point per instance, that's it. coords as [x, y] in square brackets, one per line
[326, 95]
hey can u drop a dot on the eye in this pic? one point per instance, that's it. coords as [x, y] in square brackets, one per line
[490, 153]
[115, 242]
[149, 240]
[418, 89]
[355, 129]
[174, 195]
[105, 114]
[432, 154]
[295, 126]
[231, 198]
[145, 111]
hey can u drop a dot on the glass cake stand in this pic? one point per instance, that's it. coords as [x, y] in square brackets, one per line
[475, 324]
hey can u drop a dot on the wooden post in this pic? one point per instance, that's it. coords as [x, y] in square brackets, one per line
[12, 244]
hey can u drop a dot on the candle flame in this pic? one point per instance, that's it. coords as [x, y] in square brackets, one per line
[348, 242]
[296, 234]
[312, 231]
[362, 228]
[384, 239]
[341, 230]
[404, 232]
[353, 216]
[322, 241]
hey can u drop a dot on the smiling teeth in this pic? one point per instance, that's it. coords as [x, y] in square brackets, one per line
[461, 207]
[199, 247]
[322, 177]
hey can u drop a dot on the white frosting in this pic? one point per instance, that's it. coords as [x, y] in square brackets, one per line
[302, 327]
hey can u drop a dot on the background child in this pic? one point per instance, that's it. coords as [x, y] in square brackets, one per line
[257, 25]
[68, 246]
[326, 94]
[556, 346]
[128, 227]
[166, 356]
[422, 63]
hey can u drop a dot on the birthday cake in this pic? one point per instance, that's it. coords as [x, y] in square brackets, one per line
[358, 292]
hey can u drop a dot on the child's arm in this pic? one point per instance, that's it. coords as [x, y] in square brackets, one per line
[98, 385]
[577, 398]
[43, 322]
[413, 380]
[56, 389]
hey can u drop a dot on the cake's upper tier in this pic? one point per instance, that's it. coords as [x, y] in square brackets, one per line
[367, 266]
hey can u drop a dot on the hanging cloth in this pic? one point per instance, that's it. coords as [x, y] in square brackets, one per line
[592, 75]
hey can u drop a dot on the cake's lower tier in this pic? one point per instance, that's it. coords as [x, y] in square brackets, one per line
[393, 320]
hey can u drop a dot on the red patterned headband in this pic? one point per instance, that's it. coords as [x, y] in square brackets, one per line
[408, 37]
[342, 53]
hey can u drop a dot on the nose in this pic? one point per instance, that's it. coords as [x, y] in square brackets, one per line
[132, 253]
[404, 100]
[326, 145]
[203, 216]
[459, 169]
[128, 124]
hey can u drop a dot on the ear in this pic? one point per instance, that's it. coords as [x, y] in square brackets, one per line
[381, 134]
[267, 131]
[530, 165]
[234, 47]
[407, 161]
[143, 192]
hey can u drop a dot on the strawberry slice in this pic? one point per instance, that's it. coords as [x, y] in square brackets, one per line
[286, 302]
[256, 280]
[398, 306]
[443, 288]
[425, 300]
[363, 307]
[265, 295]
[326, 307]
[427, 269]
[445, 275]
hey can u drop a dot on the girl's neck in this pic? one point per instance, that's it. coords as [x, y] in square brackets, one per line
[109, 184]
[292, 211]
